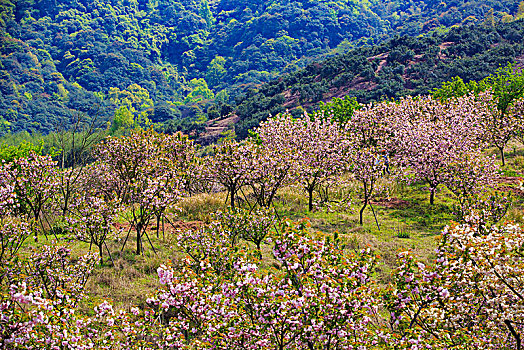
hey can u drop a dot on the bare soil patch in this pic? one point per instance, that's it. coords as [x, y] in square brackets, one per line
[392, 203]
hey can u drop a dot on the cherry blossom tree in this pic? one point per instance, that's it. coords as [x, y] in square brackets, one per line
[143, 171]
[91, 219]
[434, 137]
[230, 166]
[366, 141]
[471, 177]
[273, 159]
[271, 170]
[470, 298]
[31, 321]
[189, 169]
[367, 168]
[317, 146]
[33, 181]
[40, 308]
[372, 126]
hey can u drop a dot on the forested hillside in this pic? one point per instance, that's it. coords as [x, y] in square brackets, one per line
[398, 67]
[165, 60]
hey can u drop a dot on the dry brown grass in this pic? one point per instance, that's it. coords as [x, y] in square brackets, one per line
[200, 207]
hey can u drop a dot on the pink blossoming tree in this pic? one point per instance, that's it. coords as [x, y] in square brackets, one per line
[470, 298]
[144, 172]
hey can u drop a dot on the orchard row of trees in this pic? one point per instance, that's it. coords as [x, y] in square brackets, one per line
[437, 140]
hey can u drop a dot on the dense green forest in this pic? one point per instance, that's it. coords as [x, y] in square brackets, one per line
[165, 61]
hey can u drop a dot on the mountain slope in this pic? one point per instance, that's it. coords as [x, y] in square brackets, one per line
[167, 59]
[398, 67]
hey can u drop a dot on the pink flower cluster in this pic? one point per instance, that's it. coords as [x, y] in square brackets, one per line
[320, 298]
[470, 298]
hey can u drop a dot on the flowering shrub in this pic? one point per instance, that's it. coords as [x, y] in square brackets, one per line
[318, 298]
[482, 209]
[209, 248]
[13, 233]
[471, 173]
[321, 299]
[38, 310]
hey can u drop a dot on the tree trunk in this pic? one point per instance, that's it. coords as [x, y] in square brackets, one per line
[310, 202]
[138, 240]
[232, 198]
[366, 199]
[362, 211]
[66, 204]
[501, 150]
[36, 214]
[158, 225]
[515, 335]
[432, 195]
[259, 249]
[100, 252]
